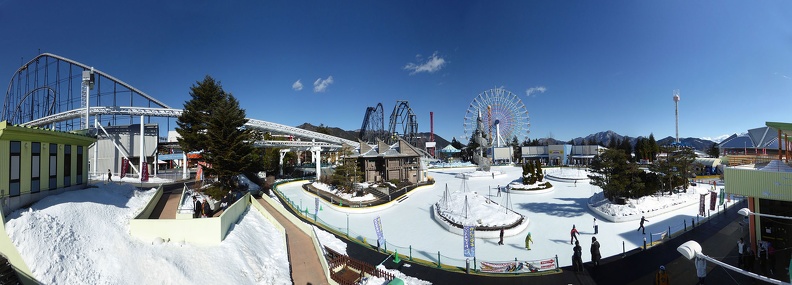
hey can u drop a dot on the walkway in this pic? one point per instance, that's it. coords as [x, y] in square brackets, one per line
[303, 258]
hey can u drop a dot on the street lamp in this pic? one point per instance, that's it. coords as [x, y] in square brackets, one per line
[746, 212]
[692, 249]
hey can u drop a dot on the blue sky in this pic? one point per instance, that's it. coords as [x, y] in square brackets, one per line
[609, 66]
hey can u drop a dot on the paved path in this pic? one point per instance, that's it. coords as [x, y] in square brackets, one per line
[303, 258]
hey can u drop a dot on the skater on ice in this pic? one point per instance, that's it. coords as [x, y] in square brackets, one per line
[573, 233]
[528, 241]
[641, 227]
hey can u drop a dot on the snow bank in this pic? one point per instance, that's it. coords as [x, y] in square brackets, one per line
[82, 237]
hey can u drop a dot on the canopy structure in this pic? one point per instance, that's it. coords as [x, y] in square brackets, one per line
[449, 149]
[784, 130]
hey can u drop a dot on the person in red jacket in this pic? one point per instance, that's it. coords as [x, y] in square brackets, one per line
[574, 233]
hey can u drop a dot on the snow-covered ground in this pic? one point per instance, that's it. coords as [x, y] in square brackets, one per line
[552, 215]
[82, 237]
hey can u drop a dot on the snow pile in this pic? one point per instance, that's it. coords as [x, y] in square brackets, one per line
[82, 237]
[330, 240]
[481, 211]
[347, 196]
[647, 205]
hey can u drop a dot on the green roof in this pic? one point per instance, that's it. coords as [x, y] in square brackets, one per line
[785, 128]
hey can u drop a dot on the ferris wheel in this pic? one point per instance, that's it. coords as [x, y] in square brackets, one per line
[503, 115]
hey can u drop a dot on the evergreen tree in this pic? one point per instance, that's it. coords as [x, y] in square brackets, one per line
[615, 175]
[713, 150]
[347, 172]
[456, 144]
[539, 172]
[655, 148]
[625, 146]
[192, 123]
[531, 179]
[516, 149]
[229, 145]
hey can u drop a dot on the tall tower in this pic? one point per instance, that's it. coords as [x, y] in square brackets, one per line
[676, 113]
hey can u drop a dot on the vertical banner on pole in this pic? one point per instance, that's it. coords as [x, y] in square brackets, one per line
[124, 167]
[378, 229]
[144, 176]
[316, 206]
[701, 205]
[469, 238]
[713, 198]
[721, 195]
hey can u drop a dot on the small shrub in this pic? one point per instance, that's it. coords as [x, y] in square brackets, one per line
[216, 191]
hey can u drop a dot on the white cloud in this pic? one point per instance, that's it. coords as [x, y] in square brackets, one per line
[532, 90]
[430, 65]
[297, 86]
[320, 85]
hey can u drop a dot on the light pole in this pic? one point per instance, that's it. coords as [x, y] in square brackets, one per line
[691, 249]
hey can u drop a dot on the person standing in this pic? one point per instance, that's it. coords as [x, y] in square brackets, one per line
[595, 252]
[577, 257]
[641, 227]
[596, 227]
[196, 208]
[661, 278]
[528, 241]
[573, 233]
[207, 210]
[701, 270]
[771, 259]
[740, 251]
[109, 176]
[500, 242]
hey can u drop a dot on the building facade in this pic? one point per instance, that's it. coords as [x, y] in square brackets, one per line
[383, 162]
[768, 187]
[35, 163]
[562, 154]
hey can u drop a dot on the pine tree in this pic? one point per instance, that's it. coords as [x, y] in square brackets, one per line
[347, 172]
[539, 173]
[192, 123]
[516, 149]
[230, 145]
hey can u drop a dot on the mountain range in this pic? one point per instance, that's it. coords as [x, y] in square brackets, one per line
[603, 137]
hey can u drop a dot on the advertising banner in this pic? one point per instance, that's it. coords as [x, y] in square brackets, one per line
[469, 238]
[713, 198]
[701, 205]
[518, 266]
[378, 229]
[124, 167]
[144, 177]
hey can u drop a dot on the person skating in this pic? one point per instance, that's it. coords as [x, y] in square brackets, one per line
[595, 252]
[596, 227]
[641, 227]
[500, 242]
[109, 176]
[661, 278]
[528, 241]
[573, 233]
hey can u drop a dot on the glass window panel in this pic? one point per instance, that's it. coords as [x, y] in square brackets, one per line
[14, 167]
[16, 147]
[35, 167]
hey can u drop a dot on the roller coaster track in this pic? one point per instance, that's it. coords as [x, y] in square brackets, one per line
[373, 124]
[45, 92]
[175, 113]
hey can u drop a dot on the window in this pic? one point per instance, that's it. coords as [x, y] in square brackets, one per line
[67, 169]
[79, 164]
[53, 166]
[16, 152]
[35, 167]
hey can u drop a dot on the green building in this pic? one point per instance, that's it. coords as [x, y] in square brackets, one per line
[35, 163]
[768, 186]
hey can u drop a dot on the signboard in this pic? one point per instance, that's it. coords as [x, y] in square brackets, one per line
[469, 238]
[316, 206]
[378, 229]
[518, 266]
[701, 205]
[713, 198]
